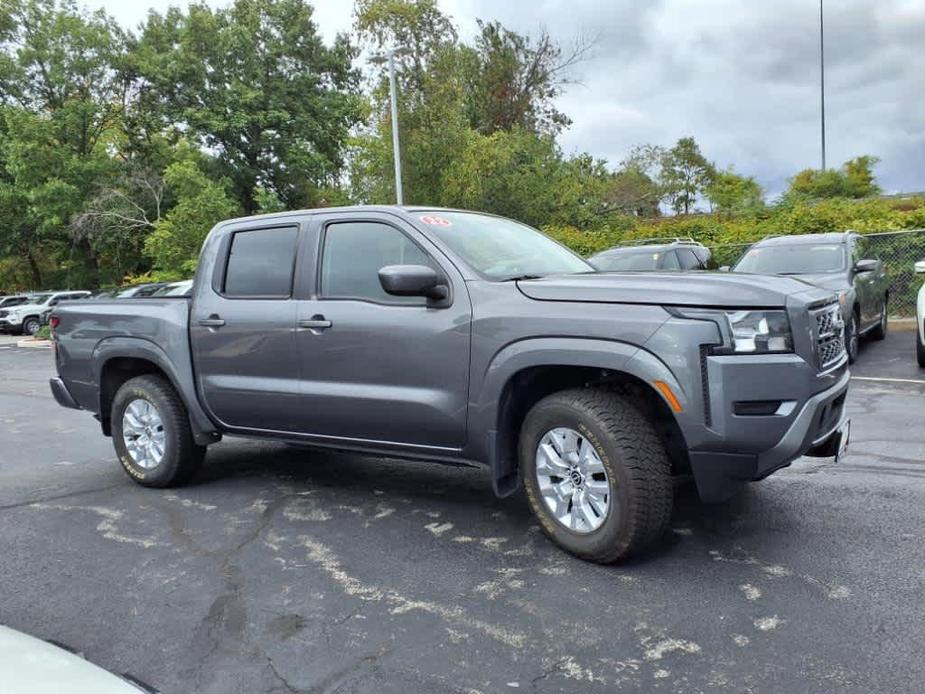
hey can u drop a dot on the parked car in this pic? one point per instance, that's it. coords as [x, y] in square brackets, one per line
[181, 288]
[26, 318]
[842, 262]
[652, 255]
[920, 318]
[461, 337]
[10, 300]
[32, 666]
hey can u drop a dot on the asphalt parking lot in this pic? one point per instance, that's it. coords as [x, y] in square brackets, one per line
[281, 570]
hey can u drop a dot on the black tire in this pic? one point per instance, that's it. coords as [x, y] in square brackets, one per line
[634, 458]
[879, 332]
[853, 336]
[182, 457]
[919, 347]
[31, 325]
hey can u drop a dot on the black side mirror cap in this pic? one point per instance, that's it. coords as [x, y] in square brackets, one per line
[413, 280]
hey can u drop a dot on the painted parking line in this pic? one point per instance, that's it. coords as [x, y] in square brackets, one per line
[888, 380]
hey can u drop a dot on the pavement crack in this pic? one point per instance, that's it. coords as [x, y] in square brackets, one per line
[289, 687]
[58, 497]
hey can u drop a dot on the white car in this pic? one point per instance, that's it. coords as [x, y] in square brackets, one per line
[31, 666]
[920, 318]
[27, 318]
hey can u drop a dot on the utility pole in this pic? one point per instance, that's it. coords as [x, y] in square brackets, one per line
[396, 151]
[822, 79]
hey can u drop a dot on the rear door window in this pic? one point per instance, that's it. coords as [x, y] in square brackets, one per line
[260, 264]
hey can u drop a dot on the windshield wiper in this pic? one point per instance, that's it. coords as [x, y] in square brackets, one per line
[518, 278]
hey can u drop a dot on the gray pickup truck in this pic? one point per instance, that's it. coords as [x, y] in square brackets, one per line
[460, 337]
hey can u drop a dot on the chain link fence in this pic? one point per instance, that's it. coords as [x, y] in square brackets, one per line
[898, 250]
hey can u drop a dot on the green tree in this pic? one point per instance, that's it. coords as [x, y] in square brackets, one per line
[61, 96]
[855, 179]
[176, 239]
[512, 80]
[729, 192]
[685, 174]
[433, 128]
[255, 83]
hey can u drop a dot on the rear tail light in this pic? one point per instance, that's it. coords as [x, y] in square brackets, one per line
[54, 321]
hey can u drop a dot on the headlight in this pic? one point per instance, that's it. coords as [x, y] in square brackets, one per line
[746, 332]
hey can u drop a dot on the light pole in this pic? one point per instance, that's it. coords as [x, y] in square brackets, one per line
[822, 80]
[396, 150]
[389, 57]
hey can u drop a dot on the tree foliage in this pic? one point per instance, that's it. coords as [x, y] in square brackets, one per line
[120, 149]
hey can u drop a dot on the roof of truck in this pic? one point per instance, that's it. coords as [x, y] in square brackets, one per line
[352, 208]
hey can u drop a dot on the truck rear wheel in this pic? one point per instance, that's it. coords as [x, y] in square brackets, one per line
[596, 473]
[151, 433]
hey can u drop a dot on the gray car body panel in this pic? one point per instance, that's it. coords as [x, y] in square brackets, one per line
[428, 381]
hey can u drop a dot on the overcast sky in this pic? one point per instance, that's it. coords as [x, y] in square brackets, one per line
[741, 76]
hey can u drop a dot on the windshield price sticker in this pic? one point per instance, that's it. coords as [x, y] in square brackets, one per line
[436, 221]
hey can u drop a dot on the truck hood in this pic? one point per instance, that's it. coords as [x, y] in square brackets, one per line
[704, 289]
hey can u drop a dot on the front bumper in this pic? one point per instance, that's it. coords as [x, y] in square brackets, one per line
[815, 429]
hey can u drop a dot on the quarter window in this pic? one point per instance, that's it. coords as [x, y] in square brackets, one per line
[671, 261]
[689, 261]
[354, 252]
[260, 263]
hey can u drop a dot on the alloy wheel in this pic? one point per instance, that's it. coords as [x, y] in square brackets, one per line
[572, 480]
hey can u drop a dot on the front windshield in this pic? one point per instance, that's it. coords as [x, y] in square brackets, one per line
[794, 259]
[501, 248]
[627, 262]
[13, 301]
[39, 298]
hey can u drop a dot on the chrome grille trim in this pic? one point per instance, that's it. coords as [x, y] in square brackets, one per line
[828, 335]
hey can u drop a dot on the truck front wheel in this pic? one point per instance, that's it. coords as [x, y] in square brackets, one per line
[596, 473]
[151, 433]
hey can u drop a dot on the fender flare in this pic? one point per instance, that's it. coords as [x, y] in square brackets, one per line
[611, 355]
[107, 349]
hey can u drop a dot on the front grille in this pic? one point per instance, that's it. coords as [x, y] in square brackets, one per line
[829, 334]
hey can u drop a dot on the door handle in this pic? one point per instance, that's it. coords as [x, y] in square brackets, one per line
[315, 323]
[212, 321]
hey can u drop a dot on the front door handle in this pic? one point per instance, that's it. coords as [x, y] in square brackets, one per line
[212, 321]
[315, 323]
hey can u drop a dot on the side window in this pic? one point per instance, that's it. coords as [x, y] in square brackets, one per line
[353, 254]
[670, 261]
[688, 260]
[260, 263]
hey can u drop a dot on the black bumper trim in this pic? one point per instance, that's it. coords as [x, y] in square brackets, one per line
[62, 395]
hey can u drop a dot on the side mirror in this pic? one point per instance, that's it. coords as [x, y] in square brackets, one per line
[920, 267]
[867, 265]
[725, 268]
[412, 280]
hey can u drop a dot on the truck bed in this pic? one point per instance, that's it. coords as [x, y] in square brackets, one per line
[88, 330]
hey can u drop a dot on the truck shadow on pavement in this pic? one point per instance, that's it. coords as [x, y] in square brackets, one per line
[457, 492]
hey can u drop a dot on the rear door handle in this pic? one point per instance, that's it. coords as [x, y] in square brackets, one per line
[212, 322]
[315, 323]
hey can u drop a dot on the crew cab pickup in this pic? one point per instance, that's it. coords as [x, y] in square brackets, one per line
[461, 337]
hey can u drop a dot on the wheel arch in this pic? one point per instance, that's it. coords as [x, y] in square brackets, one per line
[527, 373]
[119, 359]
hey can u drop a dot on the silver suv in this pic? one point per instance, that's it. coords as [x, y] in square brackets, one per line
[26, 318]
